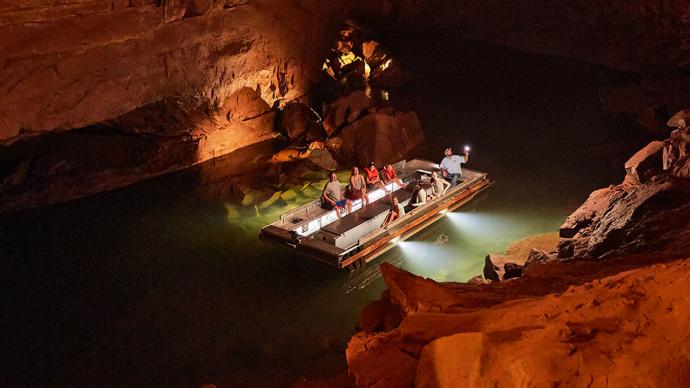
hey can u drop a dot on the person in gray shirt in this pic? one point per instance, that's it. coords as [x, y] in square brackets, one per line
[332, 196]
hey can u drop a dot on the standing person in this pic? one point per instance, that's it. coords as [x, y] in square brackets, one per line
[439, 186]
[373, 179]
[332, 196]
[396, 212]
[450, 165]
[358, 186]
[389, 175]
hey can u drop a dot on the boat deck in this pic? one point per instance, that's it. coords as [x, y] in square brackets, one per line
[366, 213]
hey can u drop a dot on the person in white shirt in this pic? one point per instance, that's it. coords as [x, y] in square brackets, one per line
[451, 165]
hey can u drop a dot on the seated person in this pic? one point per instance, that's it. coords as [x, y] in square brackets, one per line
[358, 187]
[332, 196]
[418, 196]
[396, 212]
[439, 186]
[389, 175]
[373, 179]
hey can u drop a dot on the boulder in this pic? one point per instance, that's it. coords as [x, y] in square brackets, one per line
[345, 110]
[498, 268]
[321, 160]
[655, 216]
[680, 119]
[380, 137]
[537, 256]
[589, 211]
[575, 324]
[511, 271]
[646, 162]
[452, 361]
[294, 120]
[380, 315]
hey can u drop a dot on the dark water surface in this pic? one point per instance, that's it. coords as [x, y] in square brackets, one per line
[165, 283]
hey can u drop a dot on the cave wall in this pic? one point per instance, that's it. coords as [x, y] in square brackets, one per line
[74, 63]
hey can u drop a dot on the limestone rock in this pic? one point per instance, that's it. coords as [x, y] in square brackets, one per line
[679, 120]
[345, 110]
[648, 212]
[321, 160]
[476, 280]
[646, 162]
[498, 268]
[295, 119]
[650, 218]
[436, 369]
[380, 137]
[537, 256]
[590, 211]
[77, 63]
[614, 322]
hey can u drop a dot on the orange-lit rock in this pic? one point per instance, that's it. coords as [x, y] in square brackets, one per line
[625, 328]
[153, 86]
[71, 64]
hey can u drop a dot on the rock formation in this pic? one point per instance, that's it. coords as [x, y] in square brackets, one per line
[649, 211]
[74, 63]
[123, 91]
[578, 325]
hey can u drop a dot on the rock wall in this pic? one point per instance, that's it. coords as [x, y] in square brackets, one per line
[125, 90]
[75, 63]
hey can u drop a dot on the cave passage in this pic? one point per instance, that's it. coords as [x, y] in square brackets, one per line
[165, 283]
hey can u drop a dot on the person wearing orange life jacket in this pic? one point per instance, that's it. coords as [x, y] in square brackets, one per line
[389, 175]
[373, 179]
